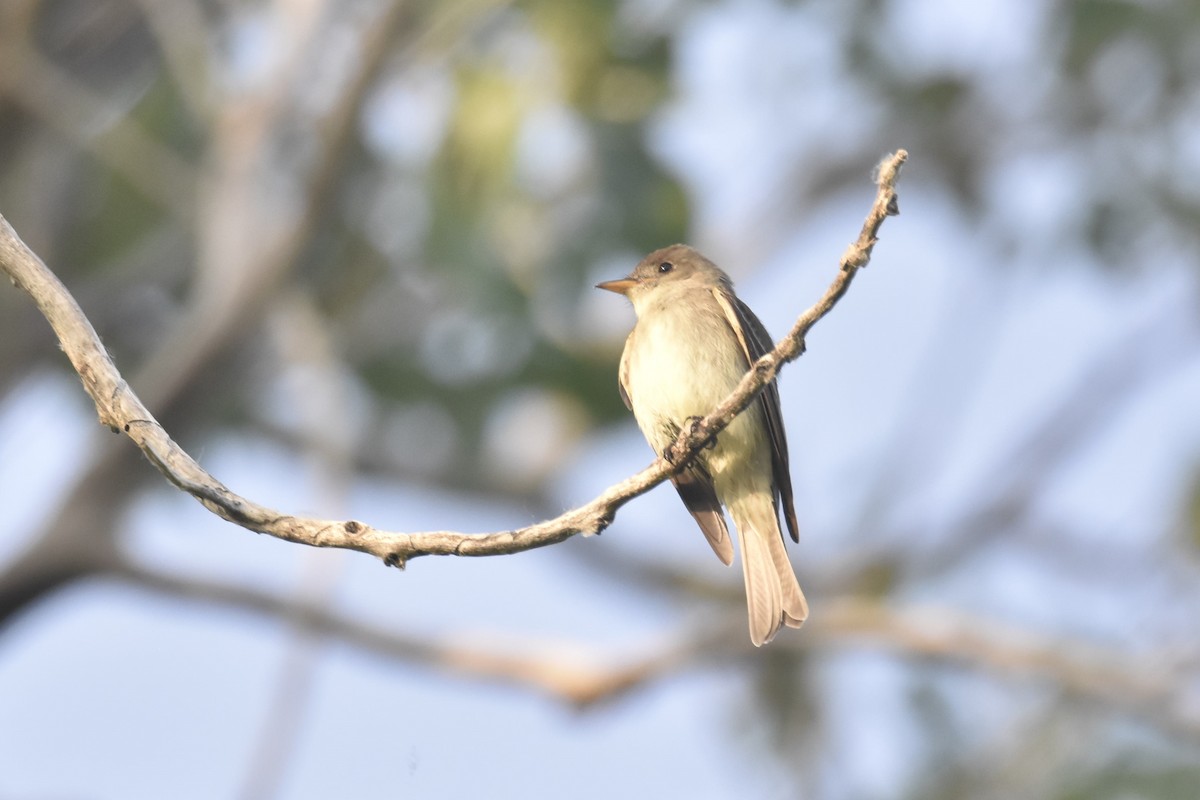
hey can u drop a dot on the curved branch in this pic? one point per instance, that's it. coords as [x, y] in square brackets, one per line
[121, 410]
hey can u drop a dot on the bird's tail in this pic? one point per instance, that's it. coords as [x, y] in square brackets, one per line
[773, 594]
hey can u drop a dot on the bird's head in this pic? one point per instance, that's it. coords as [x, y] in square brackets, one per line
[677, 266]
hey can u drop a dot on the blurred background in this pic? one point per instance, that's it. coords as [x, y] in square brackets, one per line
[345, 250]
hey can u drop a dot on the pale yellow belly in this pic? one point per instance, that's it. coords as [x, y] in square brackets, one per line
[675, 377]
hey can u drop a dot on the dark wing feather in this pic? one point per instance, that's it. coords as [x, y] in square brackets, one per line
[756, 342]
[695, 488]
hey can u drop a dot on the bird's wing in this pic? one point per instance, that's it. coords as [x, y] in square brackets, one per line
[756, 342]
[695, 487]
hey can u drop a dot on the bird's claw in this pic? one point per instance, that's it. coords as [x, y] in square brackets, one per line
[674, 452]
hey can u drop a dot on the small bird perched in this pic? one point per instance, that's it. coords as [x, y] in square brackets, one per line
[693, 342]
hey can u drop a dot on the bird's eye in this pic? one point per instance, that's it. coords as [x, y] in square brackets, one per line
[666, 266]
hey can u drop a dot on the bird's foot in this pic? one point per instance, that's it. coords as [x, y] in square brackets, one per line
[675, 452]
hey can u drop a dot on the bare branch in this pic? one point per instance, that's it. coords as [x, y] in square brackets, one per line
[121, 410]
[80, 535]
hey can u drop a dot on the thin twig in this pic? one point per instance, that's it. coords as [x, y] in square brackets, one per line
[121, 410]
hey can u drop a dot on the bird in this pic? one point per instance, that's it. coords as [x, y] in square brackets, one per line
[692, 343]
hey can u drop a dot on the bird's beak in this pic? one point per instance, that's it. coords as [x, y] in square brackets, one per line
[621, 286]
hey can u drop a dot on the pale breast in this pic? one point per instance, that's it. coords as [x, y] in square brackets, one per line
[683, 360]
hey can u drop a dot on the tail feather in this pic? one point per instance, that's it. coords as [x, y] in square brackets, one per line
[795, 607]
[773, 595]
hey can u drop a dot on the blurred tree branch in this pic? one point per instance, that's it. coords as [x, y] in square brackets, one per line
[1149, 687]
[74, 112]
[230, 288]
[122, 411]
[307, 352]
